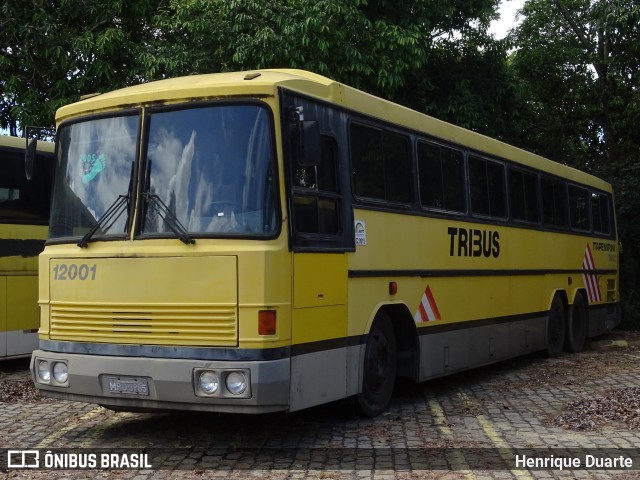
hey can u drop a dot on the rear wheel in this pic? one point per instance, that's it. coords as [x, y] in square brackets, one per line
[556, 328]
[379, 370]
[576, 325]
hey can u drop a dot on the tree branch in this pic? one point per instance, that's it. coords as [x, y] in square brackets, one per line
[574, 26]
[584, 41]
[601, 68]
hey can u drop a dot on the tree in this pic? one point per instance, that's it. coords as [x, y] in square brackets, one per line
[381, 46]
[51, 52]
[466, 81]
[578, 61]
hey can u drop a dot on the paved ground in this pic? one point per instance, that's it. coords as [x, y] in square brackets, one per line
[470, 425]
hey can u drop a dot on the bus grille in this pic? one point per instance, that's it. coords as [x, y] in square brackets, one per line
[196, 325]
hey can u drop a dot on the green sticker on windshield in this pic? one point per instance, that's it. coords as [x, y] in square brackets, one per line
[92, 165]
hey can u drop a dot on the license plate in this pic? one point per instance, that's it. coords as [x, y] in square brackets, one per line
[128, 385]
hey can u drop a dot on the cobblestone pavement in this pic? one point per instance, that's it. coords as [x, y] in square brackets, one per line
[469, 425]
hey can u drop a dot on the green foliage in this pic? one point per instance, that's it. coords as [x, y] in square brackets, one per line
[466, 81]
[53, 51]
[370, 45]
[578, 62]
[431, 55]
[555, 78]
[580, 80]
[382, 46]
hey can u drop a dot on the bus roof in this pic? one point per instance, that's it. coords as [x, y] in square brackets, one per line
[262, 83]
[20, 144]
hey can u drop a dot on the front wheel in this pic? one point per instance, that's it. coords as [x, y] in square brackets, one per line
[379, 369]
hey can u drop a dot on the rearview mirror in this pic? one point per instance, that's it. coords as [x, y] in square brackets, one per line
[306, 139]
[30, 157]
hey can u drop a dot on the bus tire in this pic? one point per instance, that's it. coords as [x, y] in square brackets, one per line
[556, 328]
[576, 325]
[379, 369]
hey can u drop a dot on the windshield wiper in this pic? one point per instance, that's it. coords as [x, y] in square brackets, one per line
[110, 215]
[169, 218]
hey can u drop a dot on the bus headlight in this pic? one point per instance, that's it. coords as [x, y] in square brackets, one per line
[60, 372]
[209, 382]
[223, 383]
[44, 374]
[236, 383]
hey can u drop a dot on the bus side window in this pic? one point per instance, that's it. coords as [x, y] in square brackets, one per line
[24, 201]
[368, 163]
[600, 208]
[441, 176]
[523, 196]
[579, 208]
[487, 187]
[381, 163]
[315, 194]
[554, 202]
[397, 167]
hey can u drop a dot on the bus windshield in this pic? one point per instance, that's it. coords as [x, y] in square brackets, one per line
[212, 167]
[94, 168]
[207, 170]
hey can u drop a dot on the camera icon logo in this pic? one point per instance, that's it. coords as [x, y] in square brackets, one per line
[23, 459]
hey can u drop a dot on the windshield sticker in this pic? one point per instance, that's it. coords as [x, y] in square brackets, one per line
[92, 165]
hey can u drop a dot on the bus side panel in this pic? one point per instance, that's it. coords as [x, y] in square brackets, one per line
[319, 327]
[318, 378]
[443, 353]
[322, 377]
[22, 314]
[602, 318]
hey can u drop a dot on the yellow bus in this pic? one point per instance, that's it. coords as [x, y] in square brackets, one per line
[272, 240]
[24, 214]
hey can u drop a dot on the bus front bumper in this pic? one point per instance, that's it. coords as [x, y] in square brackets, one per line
[163, 384]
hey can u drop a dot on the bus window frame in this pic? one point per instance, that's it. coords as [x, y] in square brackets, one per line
[565, 226]
[142, 161]
[587, 190]
[610, 211]
[48, 170]
[319, 194]
[387, 205]
[513, 167]
[135, 198]
[433, 211]
[132, 184]
[330, 119]
[488, 218]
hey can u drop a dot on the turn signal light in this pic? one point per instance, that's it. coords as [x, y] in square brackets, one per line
[267, 322]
